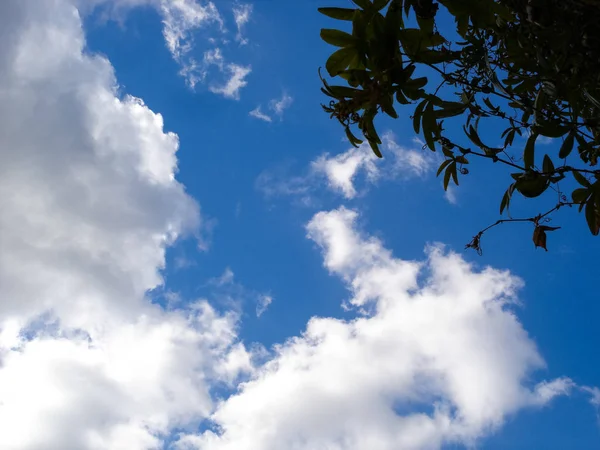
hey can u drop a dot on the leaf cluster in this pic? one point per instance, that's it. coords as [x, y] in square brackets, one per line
[532, 65]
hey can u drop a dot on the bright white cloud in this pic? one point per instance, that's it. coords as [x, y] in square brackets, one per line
[341, 172]
[89, 203]
[440, 359]
[341, 169]
[237, 80]
[241, 15]
[450, 195]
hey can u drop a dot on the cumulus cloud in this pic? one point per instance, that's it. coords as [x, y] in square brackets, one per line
[277, 106]
[89, 203]
[340, 172]
[439, 359]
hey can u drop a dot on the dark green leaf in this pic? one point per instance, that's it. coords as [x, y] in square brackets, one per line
[529, 151]
[591, 216]
[580, 195]
[552, 131]
[353, 139]
[364, 4]
[380, 4]
[548, 165]
[416, 83]
[337, 37]
[506, 198]
[567, 146]
[339, 60]
[454, 173]
[462, 24]
[531, 187]
[429, 126]
[417, 116]
[338, 13]
[443, 166]
[581, 179]
[448, 174]
[375, 148]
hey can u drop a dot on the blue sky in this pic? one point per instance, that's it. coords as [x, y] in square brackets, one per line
[194, 258]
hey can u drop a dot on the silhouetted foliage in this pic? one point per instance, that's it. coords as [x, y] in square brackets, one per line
[531, 66]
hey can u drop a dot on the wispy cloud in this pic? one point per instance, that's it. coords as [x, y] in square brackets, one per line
[258, 114]
[237, 80]
[277, 106]
[263, 303]
[187, 26]
[241, 14]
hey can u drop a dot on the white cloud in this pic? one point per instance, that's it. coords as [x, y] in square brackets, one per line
[276, 105]
[263, 303]
[183, 20]
[258, 114]
[450, 195]
[340, 172]
[441, 358]
[241, 15]
[237, 80]
[89, 203]
[341, 169]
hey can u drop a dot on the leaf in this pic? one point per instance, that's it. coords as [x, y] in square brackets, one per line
[462, 24]
[414, 40]
[443, 166]
[539, 235]
[454, 173]
[429, 126]
[416, 83]
[353, 139]
[591, 98]
[551, 130]
[580, 195]
[339, 60]
[448, 174]
[417, 116]
[338, 13]
[380, 4]
[364, 4]
[581, 179]
[375, 148]
[531, 187]
[539, 238]
[426, 25]
[547, 165]
[505, 203]
[337, 37]
[591, 216]
[529, 151]
[567, 146]
[344, 91]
